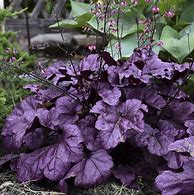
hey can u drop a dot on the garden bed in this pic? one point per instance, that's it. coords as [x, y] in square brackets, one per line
[9, 186]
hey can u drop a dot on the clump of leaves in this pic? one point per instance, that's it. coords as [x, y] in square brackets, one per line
[103, 117]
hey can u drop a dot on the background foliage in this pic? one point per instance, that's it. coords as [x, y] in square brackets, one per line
[177, 28]
[11, 86]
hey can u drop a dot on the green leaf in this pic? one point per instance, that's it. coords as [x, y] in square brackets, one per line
[188, 88]
[181, 25]
[126, 25]
[179, 45]
[84, 18]
[78, 22]
[128, 44]
[81, 13]
[170, 4]
[66, 24]
[79, 8]
[188, 14]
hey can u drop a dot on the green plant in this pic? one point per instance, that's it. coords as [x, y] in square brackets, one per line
[11, 86]
[120, 24]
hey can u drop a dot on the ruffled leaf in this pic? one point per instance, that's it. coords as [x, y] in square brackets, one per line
[183, 145]
[92, 170]
[110, 95]
[53, 161]
[66, 111]
[90, 133]
[169, 182]
[157, 140]
[18, 122]
[115, 122]
[125, 175]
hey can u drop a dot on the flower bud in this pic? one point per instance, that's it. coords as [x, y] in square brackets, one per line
[91, 47]
[155, 9]
[169, 14]
[12, 59]
[134, 2]
[123, 4]
[160, 44]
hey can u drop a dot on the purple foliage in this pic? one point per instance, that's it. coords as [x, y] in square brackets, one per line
[170, 182]
[125, 175]
[114, 122]
[107, 118]
[91, 170]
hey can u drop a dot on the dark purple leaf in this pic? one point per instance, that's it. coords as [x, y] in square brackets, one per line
[155, 67]
[18, 122]
[172, 91]
[144, 66]
[7, 158]
[125, 175]
[180, 111]
[90, 133]
[110, 95]
[53, 161]
[49, 94]
[107, 58]
[116, 78]
[157, 140]
[66, 111]
[184, 67]
[175, 160]
[99, 107]
[63, 187]
[143, 138]
[183, 145]
[115, 121]
[35, 138]
[180, 183]
[190, 127]
[130, 70]
[54, 70]
[91, 62]
[35, 88]
[148, 95]
[92, 170]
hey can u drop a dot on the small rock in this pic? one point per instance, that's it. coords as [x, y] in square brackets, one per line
[85, 40]
[43, 41]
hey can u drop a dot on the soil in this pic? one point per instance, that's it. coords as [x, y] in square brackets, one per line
[9, 186]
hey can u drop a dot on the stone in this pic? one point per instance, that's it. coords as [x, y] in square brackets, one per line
[86, 40]
[42, 41]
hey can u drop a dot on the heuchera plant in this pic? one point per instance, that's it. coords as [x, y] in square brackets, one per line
[103, 118]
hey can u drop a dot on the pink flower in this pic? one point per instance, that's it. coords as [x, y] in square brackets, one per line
[134, 2]
[15, 51]
[114, 30]
[112, 23]
[91, 47]
[155, 9]
[8, 50]
[12, 59]
[124, 4]
[148, 1]
[160, 44]
[169, 14]
[118, 46]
